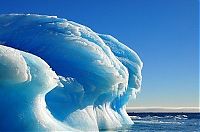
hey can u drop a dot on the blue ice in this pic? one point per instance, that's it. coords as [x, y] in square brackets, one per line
[56, 74]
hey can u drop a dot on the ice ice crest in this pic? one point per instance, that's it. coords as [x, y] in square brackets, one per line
[95, 75]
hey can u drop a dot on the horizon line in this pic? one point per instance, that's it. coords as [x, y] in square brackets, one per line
[163, 109]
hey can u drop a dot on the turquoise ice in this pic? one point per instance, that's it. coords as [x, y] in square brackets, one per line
[91, 79]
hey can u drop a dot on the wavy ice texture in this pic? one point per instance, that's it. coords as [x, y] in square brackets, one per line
[95, 75]
[25, 80]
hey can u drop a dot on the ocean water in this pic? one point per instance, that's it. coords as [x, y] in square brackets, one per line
[164, 122]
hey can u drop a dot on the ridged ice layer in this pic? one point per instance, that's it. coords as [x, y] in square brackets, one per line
[95, 75]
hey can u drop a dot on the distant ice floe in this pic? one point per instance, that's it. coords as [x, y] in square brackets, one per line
[95, 76]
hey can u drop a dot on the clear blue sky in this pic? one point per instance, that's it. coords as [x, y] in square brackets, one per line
[163, 32]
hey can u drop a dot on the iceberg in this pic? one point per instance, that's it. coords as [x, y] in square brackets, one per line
[56, 74]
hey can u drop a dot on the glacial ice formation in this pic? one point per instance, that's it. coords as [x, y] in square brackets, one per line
[95, 75]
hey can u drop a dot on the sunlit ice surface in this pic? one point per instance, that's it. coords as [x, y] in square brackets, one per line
[56, 74]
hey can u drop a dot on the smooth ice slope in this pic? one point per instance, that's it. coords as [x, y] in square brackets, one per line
[97, 74]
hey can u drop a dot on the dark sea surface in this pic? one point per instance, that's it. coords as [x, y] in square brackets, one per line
[164, 122]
